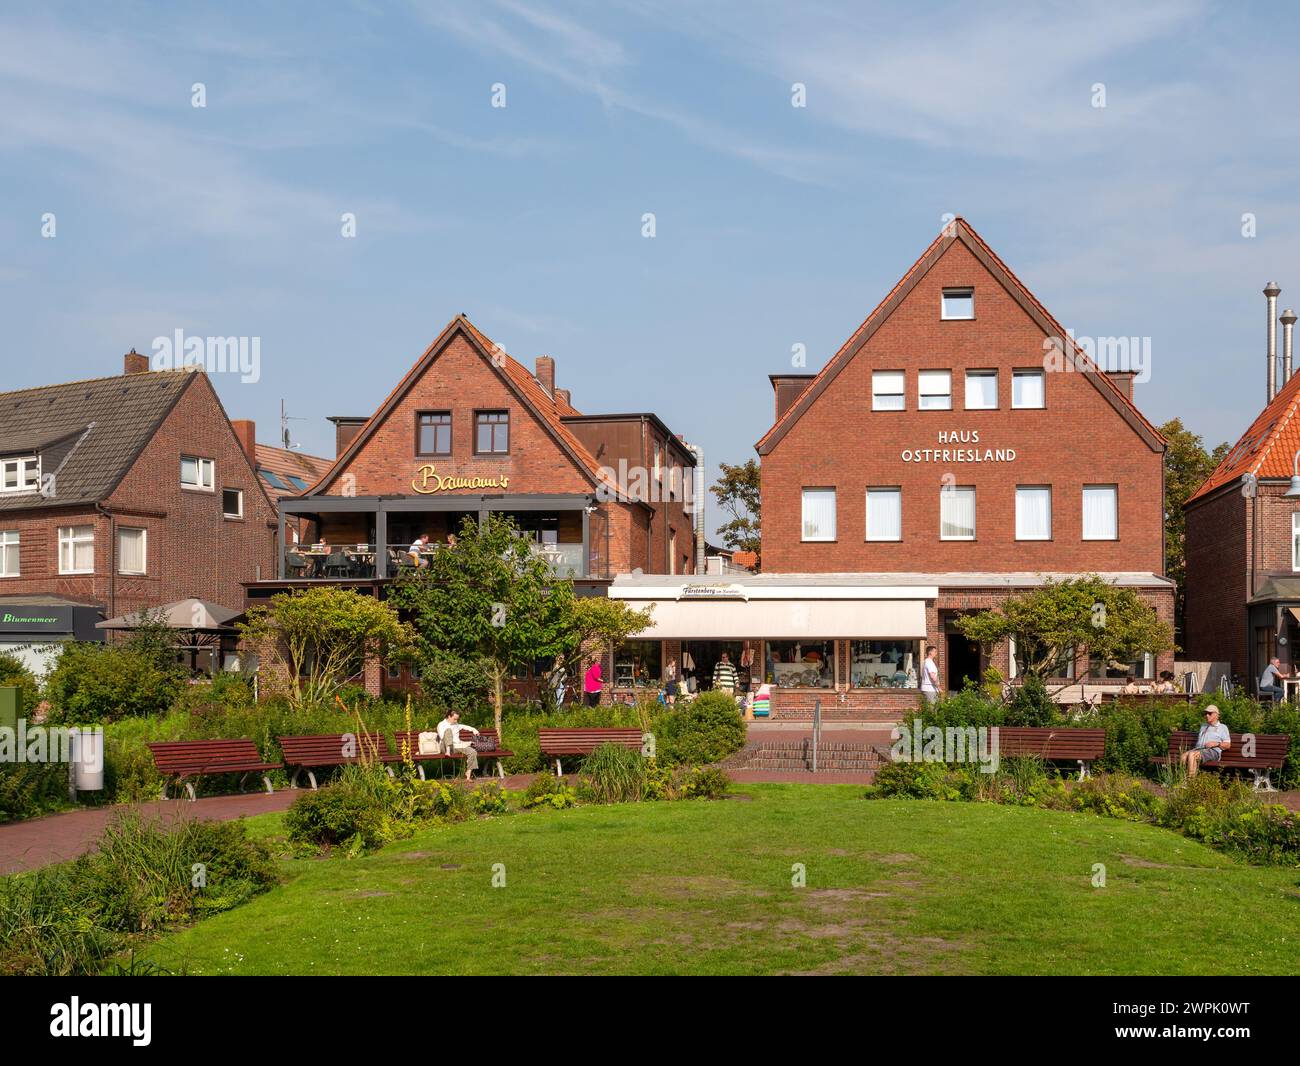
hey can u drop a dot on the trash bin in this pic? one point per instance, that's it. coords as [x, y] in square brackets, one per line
[87, 752]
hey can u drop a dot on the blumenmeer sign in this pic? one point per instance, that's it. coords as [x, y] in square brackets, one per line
[36, 619]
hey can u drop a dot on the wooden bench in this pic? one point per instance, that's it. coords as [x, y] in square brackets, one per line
[186, 761]
[560, 742]
[306, 754]
[1269, 753]
[1082, 746]
[408, 743]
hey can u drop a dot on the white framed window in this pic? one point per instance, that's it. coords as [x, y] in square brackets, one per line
[232, 503]
[887, 390]
[934, 390]
[1033, 512]
[21, 474]
[76, 549]
[981, 390]
[1100, 512]
[885, 514]
[957, 303]
[132, 550]
[818, 514]
[9, 553]
[957, 512]
[198, 473]
[1295, 540]
[1027, 389]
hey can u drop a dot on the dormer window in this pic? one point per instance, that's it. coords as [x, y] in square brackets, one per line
[958, 303]
[21, 474]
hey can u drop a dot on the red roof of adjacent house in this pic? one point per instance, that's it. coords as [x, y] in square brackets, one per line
[959, 230]
[285, 464]
[1267, 449]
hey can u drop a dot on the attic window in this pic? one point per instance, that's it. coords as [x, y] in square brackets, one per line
[22, 474]
[958, 303]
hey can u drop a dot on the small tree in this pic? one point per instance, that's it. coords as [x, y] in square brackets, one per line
[489, 599]
[1051, 620]
[320, 637]
[738, 494]
[598, 625]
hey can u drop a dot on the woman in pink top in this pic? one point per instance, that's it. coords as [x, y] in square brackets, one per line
[593, 683]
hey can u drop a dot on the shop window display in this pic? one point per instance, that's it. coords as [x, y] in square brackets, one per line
[638, 664]
[801, 663]
[884, 663]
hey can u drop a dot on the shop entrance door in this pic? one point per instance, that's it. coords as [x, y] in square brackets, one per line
[705, 655]
[963, 660]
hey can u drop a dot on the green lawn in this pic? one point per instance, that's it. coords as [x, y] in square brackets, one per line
[705, 887]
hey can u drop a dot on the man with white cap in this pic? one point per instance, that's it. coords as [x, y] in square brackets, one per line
[1211, 742]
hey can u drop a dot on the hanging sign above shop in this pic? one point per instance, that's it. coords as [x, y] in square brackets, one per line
[428, 481]
[946, 453]
[712, 592]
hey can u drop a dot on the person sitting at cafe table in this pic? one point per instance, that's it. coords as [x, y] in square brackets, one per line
[1166, 686]
[1131, 687]
[1270, 681]
[416, 550]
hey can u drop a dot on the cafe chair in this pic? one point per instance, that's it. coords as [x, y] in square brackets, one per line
[296, 564]
[338, 565]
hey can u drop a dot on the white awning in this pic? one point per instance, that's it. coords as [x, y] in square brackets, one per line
[783, 619]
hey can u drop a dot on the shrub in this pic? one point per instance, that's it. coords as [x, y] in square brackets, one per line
[1117, 796]
[970, 707]
[705, 730]
[489, 798]
[28, 789]
[68, 918]
[103, 682]
[920, 780]
[705, 782]
[1030, 705]
[337, 815]
[547, 790]
[1203, 804]
[1262, 834]
[14, 674]
[1285, 718]
[615, 774]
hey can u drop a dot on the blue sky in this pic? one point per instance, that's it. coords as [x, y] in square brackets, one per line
[776, 225]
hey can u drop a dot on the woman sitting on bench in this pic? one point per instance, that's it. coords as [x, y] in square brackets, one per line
[449, 733]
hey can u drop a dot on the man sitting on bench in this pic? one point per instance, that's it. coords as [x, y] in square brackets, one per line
[449, 733]
[1211, 742]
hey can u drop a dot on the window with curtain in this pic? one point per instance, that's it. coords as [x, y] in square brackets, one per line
[1100, 512]
[1033, 512]
[76, 549]
[887, 390]
[981, 390]
[131, 550]
[957, 513]
[1027, 388]
[818, 514]
[9, 553]
[885, 514]
[934, 389]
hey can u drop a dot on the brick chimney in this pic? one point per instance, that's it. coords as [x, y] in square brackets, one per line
[562, 397]
[246, 430]
[135, 363]
[545, 373]
[1123, 379]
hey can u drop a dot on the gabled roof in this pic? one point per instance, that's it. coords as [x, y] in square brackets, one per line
[284, 464]
[960, 230]
[527, 389]
[1267, 449]
[87, 433]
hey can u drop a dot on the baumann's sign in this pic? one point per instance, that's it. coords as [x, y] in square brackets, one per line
[428, 481]
[959, 455]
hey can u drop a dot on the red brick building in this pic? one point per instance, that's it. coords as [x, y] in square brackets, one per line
[957, 448]
[469, 431]
[1243, 542]
[122, 493]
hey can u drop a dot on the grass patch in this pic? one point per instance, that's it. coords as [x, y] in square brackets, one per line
[893, 887]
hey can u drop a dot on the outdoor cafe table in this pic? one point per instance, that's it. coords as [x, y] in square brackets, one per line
[1289, 687]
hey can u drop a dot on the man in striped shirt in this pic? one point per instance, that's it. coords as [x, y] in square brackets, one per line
[724, 676]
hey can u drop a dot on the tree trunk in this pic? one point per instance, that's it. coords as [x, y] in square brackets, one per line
[498, 676]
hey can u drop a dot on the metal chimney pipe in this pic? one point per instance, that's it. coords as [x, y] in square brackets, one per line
[697, 504]
[1272, 291]
[1288, 320]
